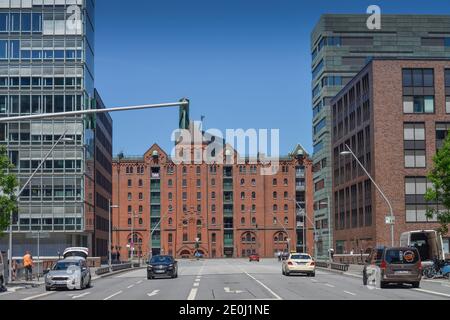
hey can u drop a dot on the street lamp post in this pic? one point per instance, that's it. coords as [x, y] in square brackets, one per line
[392, 216]
[109, 233]
[19, 193]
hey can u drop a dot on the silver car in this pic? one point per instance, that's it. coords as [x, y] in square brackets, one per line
[71, 273]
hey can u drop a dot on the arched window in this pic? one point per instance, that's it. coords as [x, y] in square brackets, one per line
[170, 183]
[275, 221]
[170, 221]
[213, 238]
[213, 208]
[286, 194]
[170, 208]
[253, 195]
[242, 182]
[243, 208]
[254, 221]
[286, 182]
[170, 196]
[275, 195]
[242, 195]
[213, 195]
[275, 182]
[243, 221]
[275, 208]
[213, 221]
[141, 183]
[199, 170]
[170, 238]
[253, 182]
[184, 170]
[286, 207]
[286, 220]
[199, 223]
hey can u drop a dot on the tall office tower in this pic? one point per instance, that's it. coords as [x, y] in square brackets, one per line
[47, 66]
[341, 45]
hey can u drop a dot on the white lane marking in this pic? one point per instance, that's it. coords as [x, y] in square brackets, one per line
[38, 296]
[196, 284]
[131, 286]
[192, 294]
[5, 293]
[228, 290]
[350, 293]
[154, 293]
[330, 285]
[263, 285]
[139, 282]
[433, 292]
[314, 280]
[197, 280]
[113, 295]
[81, 295]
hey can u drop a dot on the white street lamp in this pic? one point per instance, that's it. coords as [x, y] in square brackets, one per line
[109, 233]
[391, 219]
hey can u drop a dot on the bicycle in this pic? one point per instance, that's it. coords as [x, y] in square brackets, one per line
[439, 269]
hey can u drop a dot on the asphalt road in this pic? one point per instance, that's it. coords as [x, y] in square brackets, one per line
[235, 280]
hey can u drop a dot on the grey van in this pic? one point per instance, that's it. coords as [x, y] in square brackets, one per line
[393, 266]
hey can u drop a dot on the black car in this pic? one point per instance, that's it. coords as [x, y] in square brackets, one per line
[162, 266]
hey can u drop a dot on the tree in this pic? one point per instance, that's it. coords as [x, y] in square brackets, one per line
[8, 185]
[440, 193]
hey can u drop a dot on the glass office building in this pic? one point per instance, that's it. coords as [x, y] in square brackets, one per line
[47, 66]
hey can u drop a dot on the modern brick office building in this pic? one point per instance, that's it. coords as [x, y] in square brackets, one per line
[394, 115]
[47, 66]
[341, 45]
[232, 209]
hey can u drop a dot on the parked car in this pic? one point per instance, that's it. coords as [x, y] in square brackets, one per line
[162, 266]
[254, 258]
[393, 266]
[71, 273]
[299, 263]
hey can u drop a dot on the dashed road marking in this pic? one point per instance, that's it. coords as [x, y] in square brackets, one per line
[154, 293]
[196, 284]
[81, 295]
[350, 293]
[139, 282]
[130, 286]
[113, 295]
[192, 294]
[38, 296]
[330, 285]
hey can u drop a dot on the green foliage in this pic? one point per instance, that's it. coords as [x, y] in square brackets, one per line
[440, 193]
[8, 185]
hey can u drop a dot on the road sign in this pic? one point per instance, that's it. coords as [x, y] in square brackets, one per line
[390, 220]
[40, 235]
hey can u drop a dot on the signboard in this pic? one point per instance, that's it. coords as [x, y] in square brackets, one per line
[390, 220]
[36, 235]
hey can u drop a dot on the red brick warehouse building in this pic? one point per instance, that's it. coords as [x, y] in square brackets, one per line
[232, 209]
[395, 115]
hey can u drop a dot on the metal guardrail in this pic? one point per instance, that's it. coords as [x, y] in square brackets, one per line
[322, 264]
[101, 271]
[340, 267]
[117, 267]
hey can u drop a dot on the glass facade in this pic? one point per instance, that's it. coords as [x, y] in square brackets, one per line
[47, 66]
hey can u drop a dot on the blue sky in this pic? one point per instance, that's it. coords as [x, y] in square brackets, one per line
[242, 63]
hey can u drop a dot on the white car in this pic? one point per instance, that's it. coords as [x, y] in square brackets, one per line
[72, 273]
[299, 263]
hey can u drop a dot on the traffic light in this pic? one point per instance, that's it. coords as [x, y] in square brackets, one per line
[184, 115]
